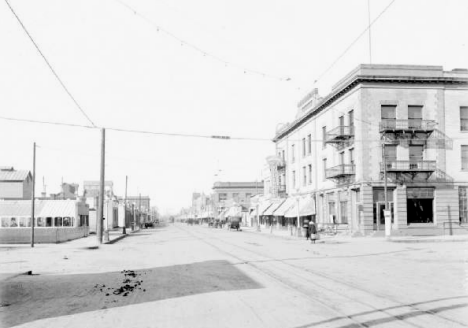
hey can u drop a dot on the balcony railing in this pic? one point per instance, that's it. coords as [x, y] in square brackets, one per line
[413, 125]
[409, 166]
[339, 134]
[340, 171]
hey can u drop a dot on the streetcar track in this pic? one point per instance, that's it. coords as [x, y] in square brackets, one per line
[282, 281]
[323, 276]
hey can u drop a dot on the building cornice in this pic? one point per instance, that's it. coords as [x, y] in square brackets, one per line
[361, 79]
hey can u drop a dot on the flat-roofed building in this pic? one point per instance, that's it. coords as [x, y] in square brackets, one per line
[406, 123]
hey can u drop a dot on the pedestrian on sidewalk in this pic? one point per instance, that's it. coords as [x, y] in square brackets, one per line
[313, 232]
[306, 228]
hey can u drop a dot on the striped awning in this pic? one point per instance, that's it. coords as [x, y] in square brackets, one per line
[305, 206]
[262, 207]
[275, 204]
[284, 207]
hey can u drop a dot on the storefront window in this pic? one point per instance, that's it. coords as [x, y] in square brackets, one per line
[463, 201]
[14, 223]
[58, 221]
[67, 221]
[25, 222]
[344, 212]
[5, 222]
[48, 222]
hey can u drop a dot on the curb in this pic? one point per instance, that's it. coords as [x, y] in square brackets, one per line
[112, 241]
[412, 241]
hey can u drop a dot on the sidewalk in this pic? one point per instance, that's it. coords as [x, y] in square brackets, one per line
[86, 242]
[324, 238]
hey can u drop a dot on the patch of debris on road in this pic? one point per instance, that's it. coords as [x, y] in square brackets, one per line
[130, 283]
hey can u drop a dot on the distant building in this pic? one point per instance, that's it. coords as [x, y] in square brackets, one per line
[227, 194]
[54, 220]
[69, 191]
[142, 207]
[110, 210]
[15, 184]
[202, 206]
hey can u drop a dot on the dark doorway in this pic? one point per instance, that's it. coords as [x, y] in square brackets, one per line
[419, 211]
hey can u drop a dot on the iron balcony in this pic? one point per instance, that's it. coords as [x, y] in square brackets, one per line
[409, 166]
[409, 125]
[339, 134]
[340, 171]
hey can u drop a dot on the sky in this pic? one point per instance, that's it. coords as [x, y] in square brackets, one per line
[195, 68]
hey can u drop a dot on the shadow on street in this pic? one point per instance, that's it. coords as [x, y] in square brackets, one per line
[28, 298]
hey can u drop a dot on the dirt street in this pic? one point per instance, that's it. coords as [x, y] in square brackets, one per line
[195, 276]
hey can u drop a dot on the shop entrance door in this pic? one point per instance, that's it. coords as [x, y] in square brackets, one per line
[379, 218]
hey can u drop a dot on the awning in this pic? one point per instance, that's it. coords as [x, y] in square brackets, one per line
[262, 207]
[307, 207]
[293, 210]
[275, 204]
[284, 207]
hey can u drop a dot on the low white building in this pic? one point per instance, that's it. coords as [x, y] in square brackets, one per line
[55, 221]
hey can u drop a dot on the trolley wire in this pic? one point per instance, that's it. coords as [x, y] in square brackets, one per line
[49, 65]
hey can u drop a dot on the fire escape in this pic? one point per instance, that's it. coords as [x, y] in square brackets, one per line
[407, 133]
[340, 138]
[277, 169]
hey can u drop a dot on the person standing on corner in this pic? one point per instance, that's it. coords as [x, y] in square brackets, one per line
[313, 232]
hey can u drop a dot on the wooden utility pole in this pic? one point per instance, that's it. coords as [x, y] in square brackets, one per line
[100, 214]
[125, 206]
[387, 211]
[139, 210]
[33, 194]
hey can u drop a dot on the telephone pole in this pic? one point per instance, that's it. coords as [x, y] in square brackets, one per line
[100, 214]
[33, 194]
[125, 207]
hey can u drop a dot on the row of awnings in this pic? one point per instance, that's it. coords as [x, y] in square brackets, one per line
[290, 207]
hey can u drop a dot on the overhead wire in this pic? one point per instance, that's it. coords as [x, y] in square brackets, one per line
[194, 47]
[353, 43]
[169, 134]
[49, 65]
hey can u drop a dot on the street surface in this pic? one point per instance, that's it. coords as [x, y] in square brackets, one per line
[195, 276]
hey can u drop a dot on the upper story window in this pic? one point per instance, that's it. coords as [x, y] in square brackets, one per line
[304, 176]
[388, 112]
[310, 173]
[351, 156]
[341, 119]
[390, 153]
[351, 117]
[324, 168]
[303, 147]
[309, 144]
[324, 136]
[464, 118]
[294, 179]
[341, 158]
[464, 158]
[223, 196]
[414, 116]
[293, 156]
